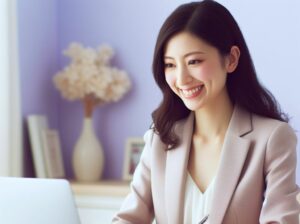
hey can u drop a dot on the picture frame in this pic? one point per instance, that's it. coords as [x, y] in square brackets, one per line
[52, 154]
[133, 150]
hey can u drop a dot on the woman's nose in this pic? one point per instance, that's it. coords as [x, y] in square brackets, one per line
[183, 76]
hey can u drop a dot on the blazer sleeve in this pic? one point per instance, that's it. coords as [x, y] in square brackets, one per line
[280, 204]
[137, 207]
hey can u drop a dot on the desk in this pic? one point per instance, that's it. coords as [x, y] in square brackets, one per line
[98, 202]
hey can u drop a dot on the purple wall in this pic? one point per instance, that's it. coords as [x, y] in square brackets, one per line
[131, 27]
[38, 61]
[45, 29]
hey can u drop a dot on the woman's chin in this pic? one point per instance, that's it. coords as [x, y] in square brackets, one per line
[193, 106]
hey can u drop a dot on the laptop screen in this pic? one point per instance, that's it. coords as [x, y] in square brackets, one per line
[36, 201]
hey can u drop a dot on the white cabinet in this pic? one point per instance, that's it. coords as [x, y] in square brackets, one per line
[97, 203]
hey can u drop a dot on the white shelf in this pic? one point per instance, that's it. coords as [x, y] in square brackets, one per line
[98, 202]
[103, 188]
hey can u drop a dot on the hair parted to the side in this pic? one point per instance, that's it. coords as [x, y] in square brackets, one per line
[214, 24]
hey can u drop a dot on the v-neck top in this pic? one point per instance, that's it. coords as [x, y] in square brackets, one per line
[197, 204]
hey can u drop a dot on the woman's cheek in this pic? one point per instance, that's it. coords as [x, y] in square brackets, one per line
[203, 74]
[170, 79]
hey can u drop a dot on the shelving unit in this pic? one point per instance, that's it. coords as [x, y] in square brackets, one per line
[98, 202]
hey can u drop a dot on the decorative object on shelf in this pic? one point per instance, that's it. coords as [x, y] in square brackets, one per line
[36, 125]
[90, 78]
[133, 151]
[45, 147]
[53, 155]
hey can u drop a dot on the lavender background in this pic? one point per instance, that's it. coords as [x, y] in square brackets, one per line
[130, 27]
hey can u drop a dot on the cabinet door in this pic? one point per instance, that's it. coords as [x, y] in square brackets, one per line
[97, 209]
[96, 216]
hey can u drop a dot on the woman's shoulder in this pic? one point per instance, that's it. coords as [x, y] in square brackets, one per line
[267, 121]
[151, 135]
[272, 126]
[152, 138]
[148, 136]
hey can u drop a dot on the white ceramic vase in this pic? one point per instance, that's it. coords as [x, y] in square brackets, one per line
[88, 157]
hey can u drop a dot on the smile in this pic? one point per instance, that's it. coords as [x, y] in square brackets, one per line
[190, 93]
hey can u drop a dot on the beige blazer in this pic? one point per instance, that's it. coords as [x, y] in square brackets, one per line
[255, 182]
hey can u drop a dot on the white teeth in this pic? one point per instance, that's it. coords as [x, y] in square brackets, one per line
[190, 92]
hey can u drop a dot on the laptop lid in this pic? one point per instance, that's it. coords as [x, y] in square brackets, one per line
[36, 201]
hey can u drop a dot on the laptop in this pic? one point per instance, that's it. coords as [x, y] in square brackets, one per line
[36, 201]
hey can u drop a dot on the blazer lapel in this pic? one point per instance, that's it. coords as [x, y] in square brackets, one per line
[234, 153]
[176, 166]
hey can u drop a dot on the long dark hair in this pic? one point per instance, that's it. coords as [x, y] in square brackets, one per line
[214, 24]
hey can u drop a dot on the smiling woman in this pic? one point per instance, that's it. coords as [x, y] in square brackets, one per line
[220, 149]
[10, 117]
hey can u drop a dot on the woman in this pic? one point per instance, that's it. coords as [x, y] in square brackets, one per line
[220, 150]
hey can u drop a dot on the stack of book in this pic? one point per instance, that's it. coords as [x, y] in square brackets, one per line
[45, 147]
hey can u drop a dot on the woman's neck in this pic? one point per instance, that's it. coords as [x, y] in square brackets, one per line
[211, 121]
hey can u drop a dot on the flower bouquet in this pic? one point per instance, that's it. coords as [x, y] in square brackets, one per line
[90, 78]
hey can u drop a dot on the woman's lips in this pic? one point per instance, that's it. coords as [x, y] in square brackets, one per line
[191, 92]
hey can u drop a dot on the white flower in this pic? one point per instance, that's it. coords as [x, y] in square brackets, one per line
[90, 73]
[105, 54]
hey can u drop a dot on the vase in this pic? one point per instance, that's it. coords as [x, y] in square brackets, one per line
[88, 157]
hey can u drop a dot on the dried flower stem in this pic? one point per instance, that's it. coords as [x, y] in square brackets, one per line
[90, 102]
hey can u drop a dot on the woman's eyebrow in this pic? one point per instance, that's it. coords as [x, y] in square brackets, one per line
[186, 55]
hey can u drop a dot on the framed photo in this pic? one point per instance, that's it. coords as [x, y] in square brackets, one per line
[133, 151]
[52, 154]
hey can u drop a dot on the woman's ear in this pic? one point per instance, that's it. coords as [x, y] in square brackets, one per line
[233, 59]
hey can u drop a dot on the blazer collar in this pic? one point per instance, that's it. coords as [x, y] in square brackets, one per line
[176, 167]
[233, 156]
[234, 153]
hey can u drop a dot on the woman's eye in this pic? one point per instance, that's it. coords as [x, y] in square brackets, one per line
[195, 61]
[169, 65]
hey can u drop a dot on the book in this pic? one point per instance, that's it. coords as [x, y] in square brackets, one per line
[36, 125]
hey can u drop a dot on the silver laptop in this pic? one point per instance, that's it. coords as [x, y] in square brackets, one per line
[36, 201]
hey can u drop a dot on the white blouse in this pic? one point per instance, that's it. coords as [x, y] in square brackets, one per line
[197, 204]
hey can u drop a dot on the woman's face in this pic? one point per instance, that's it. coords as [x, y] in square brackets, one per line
[195, 71]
